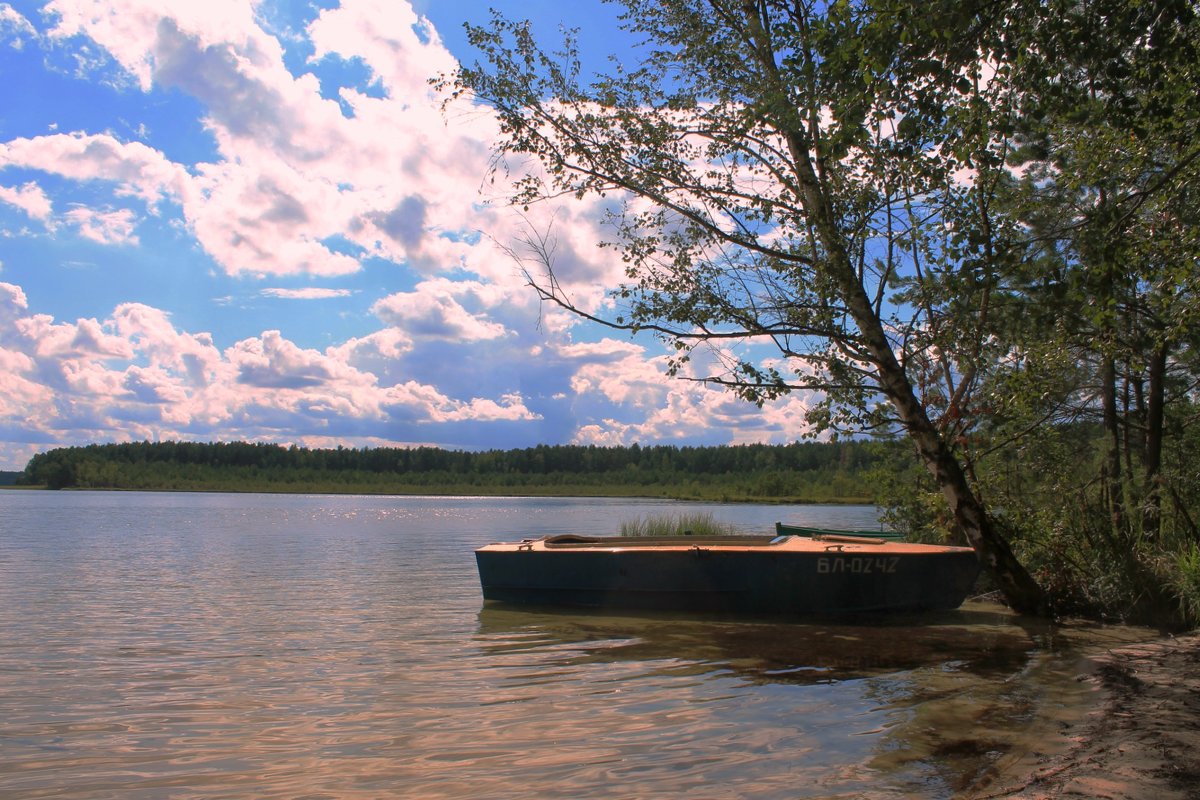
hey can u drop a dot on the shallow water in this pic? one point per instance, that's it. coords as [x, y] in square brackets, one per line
[212, 646]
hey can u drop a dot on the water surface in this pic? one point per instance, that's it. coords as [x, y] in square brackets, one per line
[281, 646]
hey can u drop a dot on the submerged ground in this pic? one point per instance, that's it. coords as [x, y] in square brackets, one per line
[1143, 739]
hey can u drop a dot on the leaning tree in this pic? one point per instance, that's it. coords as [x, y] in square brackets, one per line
[813, 176]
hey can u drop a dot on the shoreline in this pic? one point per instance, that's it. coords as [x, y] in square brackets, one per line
[1140, 742]
[528, 492]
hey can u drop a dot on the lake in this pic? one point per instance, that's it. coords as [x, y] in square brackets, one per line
[160, 645]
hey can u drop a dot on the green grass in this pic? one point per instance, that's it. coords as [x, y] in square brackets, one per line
[694, 524]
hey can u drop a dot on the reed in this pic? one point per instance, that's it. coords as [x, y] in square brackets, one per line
[683, 524]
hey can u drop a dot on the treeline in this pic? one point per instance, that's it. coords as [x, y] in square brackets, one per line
[799, 472]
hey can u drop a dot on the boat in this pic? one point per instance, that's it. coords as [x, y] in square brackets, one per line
[782, 529]
[759, 575]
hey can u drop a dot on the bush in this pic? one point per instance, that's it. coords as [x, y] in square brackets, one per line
[1185, 581]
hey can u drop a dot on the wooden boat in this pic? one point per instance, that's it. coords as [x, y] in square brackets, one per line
[791, 575]
[803, 530]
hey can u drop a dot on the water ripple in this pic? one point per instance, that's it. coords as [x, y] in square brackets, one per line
[216, 646]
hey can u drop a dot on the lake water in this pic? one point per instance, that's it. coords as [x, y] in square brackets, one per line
[282, 646]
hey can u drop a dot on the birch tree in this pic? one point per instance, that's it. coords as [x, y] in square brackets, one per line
[815, 177]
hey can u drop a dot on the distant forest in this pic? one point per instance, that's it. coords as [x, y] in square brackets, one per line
[800, 472]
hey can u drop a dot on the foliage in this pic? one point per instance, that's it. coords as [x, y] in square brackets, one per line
[1186, 583]
[909, 500]
[1053, 507]
[976, 225]
[799, 472]
[803, 188]
[1084, 439]
[771, 169]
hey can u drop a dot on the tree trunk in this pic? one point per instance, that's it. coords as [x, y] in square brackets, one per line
[1152, 456]
[1112, 447]
[1020, 589]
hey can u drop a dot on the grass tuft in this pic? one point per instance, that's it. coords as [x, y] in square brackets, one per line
[694, 524]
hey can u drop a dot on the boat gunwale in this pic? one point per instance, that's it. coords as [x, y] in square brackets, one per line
[832, 545]
[570, 541]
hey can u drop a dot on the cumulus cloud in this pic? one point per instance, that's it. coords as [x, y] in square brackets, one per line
[136, 169]
[435, 310]
[386, 345]
[372, 183]
[293, 169]
[13, 304]
[397, 178]
[640, 405]
[272, 362]
[105, 227]
[136, 372]
[126, 30]
[28, 197]
[510, 407]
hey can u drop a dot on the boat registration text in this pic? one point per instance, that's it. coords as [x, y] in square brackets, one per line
[858, 564]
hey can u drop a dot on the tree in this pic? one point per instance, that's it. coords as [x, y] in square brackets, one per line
[777, 170]
[1108, 158]
[1110, 127]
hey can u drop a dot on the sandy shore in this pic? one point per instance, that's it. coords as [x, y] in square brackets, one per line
[1143, 740]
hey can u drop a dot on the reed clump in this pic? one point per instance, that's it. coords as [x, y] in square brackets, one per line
[683, 524]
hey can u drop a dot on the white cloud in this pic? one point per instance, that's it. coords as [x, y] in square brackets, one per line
[83, 340]
[13, 304]
[267, 220]
[136, 169]
[300, 184]
[21, 395]
[105, 227]
[30, 198]
[405, 400]
[510, 407]
[275, 363]
[137, 374]
[398, 179]
[434, 310]
[381, 347]
[620, 372]
[401, 48]
[14, 27]
[128, 30]
[307, 293]
[639, 404]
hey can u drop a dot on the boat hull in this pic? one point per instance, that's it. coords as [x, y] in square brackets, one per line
[814, 578]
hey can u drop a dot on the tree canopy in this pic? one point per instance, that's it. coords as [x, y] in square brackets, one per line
[798, 472]
[973, 224]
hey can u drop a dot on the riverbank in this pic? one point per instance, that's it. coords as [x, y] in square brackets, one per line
[1142, 741]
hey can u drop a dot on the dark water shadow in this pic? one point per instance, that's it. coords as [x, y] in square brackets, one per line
[982, 639]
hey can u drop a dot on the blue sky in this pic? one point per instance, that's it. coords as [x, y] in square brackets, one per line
[255, 221]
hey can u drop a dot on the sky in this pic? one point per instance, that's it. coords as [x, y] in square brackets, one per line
[257, 221]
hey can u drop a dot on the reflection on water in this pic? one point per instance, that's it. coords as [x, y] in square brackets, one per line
[980, 639]
[921, 706]
[209, 646]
